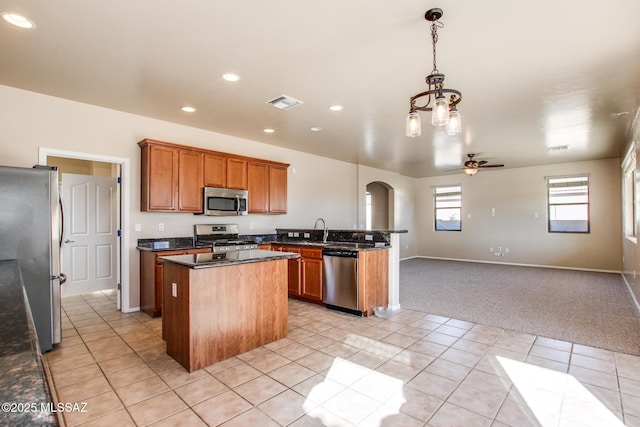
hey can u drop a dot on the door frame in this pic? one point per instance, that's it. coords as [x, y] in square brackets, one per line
[123, 249]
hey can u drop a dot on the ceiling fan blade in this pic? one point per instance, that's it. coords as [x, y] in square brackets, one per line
[481, 162]
[491, 166]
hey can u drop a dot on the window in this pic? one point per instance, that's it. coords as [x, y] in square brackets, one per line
[629, 193]
[568, 200]
[448, 208]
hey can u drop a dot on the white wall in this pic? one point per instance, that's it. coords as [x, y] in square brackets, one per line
[517, 195]
[29, 121]
[404, 215]
[630, 249]
[318, 186]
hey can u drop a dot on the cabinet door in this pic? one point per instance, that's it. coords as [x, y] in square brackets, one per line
[277, 189]
[236, 173]
[215, 171]
[311, 274]
[190, 181]
[258, 187]
[294, 272]
[162, 175]
[157, 291]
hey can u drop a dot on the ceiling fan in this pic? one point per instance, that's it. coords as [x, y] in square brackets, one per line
[471, 166]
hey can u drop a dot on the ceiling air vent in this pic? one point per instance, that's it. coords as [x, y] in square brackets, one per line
[284, 102]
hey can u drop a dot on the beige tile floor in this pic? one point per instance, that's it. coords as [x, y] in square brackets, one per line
[414, 369]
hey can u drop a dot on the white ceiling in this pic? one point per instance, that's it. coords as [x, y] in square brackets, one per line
[532, 74]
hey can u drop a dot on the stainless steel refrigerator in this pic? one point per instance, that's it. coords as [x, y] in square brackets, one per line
[31, 232]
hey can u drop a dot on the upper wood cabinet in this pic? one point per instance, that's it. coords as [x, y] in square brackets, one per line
[277, 189]
[222, 171]
[258, 174]
[237, 173]
[173, 177]
[158, 178]
[215, 171]
[267, 188]
[190, 181]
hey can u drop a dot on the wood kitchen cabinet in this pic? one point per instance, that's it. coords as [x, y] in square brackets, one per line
[159, 177]
[373, 274]
[171, 178]
[237, 177]
[215, 170]
[222, 171]
[151, 273]
[258, 174]
[267, 188]
[190, 169]
[311, 274]
[305, 273]
[277, 189]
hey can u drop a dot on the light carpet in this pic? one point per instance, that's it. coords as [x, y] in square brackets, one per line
[583, 307]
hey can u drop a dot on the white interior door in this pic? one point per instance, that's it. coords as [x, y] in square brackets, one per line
[89, 250]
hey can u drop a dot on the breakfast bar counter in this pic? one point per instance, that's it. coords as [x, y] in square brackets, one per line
[218, 307]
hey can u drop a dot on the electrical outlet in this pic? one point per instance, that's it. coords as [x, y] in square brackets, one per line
[290, 234]
[174, 290]
[307, 235]
[137, 227]
[368, 237]
[160, 227]
[296, 234]
[490, 249]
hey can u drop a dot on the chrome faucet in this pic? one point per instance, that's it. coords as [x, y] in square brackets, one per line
[325, 234]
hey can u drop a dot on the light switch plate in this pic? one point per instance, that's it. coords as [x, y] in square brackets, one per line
[174, 290]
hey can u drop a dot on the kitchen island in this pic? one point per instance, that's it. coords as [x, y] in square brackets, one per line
[217, 306]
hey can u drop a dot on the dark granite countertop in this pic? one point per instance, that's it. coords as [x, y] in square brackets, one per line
[207, 260]
[22, 377]
[168, 244]
[357, 246]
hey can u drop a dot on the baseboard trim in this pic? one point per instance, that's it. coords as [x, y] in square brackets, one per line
[521, 265]
[633, 296]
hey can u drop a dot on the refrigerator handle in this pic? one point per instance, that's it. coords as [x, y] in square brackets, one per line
[61, 223]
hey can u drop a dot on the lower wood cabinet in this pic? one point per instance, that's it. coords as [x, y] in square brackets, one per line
[373, 280]
[305, 273]
[151, 273]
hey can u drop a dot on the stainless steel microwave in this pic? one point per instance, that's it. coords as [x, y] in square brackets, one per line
[225, 202]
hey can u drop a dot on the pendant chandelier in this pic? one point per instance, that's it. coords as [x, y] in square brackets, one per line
[443, 112]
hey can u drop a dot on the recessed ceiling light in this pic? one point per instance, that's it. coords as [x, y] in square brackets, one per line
[18, 20]
[230, 77]
[315, 129]
[188, 109]
[335, 108]
[269, 130]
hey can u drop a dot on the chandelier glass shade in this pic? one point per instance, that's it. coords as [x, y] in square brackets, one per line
[443, 112]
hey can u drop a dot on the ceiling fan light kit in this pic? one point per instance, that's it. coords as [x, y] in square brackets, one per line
[471, 166]
[443, 112]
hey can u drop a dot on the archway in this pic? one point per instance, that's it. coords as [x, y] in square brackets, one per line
[379, 209]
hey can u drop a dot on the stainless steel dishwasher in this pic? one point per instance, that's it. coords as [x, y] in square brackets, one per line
[340, 280]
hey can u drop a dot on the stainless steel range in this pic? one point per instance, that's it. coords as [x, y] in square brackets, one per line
[221, 238]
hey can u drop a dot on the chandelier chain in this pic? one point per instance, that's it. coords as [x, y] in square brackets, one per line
[434, 40]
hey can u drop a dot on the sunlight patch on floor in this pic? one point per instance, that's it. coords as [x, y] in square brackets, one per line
[553, 396]
[357, 403]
